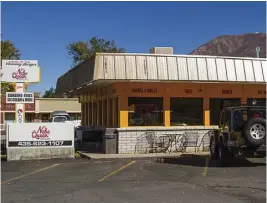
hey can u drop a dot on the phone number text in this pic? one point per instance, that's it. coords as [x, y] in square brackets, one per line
[40, 143]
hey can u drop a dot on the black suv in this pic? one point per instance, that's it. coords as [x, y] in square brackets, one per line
[242, 133]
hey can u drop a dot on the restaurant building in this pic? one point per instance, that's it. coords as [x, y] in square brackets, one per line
[161, 93]
[40, 110]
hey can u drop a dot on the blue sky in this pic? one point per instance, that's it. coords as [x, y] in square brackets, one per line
[42, 30]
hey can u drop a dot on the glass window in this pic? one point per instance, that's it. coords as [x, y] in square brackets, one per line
[9, 117]
[105, 112]
[116, 109]
[256, 102]
[60, 119]
[94, 114]
[99, 106]
[225, 120]
[186, 111]
[145, 111]
[110, 112]
[90, 115]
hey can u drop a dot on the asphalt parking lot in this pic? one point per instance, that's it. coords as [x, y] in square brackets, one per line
[184, 179]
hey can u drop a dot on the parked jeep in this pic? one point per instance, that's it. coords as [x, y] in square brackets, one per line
[242, 133]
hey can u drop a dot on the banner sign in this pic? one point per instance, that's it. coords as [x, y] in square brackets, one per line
[20, 74]
[20, 63]
[21, 98]
[40, 135]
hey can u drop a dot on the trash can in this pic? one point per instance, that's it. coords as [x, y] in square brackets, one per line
[110, 143]
[78, 137]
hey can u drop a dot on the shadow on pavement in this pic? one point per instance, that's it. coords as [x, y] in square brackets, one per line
[200, 161]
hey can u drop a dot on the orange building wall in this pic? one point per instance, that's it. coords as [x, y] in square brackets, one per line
[123, 90]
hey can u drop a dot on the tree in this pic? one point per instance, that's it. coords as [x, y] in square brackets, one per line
[83, 50]
[8, 51]
[49, 93]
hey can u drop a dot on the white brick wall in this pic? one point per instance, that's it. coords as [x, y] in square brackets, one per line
[134, 140]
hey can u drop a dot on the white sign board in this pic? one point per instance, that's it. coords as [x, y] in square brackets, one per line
[40, 135]
[19, 98]
[19, 63]
[20, 74]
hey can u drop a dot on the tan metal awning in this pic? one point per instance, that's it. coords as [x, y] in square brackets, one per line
[110, 67]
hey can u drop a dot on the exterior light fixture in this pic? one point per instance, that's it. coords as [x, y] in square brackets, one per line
[254, 102]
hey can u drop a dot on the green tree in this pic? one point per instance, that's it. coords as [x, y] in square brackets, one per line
[49, 93]
[8, 51]
[83, 50]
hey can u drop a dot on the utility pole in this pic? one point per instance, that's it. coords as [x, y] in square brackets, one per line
[258, 49]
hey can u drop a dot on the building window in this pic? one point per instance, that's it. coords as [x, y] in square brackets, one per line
[116, 110]
[94, 114]
[110, 112]
[9, 117]
[99, 106]
[45, 117]
[90, 115]
[186, 111]
[105, 103]
[256, 102]
[75, 116]
[145, 111]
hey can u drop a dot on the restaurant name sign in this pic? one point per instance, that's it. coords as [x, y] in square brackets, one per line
[261, 92]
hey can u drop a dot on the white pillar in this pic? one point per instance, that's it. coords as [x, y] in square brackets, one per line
[20, 108]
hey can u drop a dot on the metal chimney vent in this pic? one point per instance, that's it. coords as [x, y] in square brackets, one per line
[161, 50]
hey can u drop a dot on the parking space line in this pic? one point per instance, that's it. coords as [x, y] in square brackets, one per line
[116, 171]
[27, 174]
[205, 169]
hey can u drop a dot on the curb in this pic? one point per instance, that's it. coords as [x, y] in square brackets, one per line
[155, 157]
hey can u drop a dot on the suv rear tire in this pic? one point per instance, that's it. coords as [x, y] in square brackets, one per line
[224, 155]
[255, 131]
[213, 148]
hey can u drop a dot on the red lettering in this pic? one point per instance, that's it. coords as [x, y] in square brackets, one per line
[20, 74]
[188, 91]
[42, 133]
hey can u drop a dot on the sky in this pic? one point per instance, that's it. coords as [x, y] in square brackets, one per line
[42, 30]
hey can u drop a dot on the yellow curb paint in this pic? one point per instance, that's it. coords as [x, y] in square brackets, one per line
[42, 169]
[205, 169]
[116, 171]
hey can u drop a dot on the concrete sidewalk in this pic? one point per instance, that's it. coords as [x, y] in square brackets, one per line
[136, 156]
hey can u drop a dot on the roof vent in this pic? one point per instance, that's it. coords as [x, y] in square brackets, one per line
[161, 50]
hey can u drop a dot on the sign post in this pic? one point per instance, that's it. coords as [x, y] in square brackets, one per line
[20, 107]
[20, 72]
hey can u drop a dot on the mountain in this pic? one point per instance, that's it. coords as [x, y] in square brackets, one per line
[234, 45]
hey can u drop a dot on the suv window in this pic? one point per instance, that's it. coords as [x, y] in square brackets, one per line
[60, 119]
[225, 120]
[239, 118]
[222, 118]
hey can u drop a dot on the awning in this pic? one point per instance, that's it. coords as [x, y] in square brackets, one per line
[106, 68]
